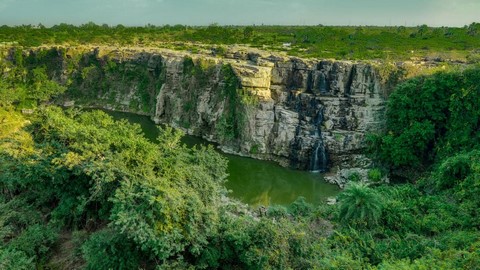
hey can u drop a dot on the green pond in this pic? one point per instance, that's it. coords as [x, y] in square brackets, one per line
[255, 182]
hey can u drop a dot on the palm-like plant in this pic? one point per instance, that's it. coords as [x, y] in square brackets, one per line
[360, 205]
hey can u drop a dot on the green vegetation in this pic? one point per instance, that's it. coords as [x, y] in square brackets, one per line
[27, 87]
[195, 78]
[346, 42]
[374, 175]
[239, 101]
[82, 74]
[441, 120]
[109, 82]
[79, 190]
[230, 124]
[359, 204]
[86, 171]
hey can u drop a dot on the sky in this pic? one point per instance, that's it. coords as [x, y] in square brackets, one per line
[241, 12]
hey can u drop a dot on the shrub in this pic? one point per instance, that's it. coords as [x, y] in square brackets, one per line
[354, 177]
[375, 175]
[429, 118]
[36, 241]
[277, 211]
[300, 207]
[15, 260]
[453, 170]
[108, 249]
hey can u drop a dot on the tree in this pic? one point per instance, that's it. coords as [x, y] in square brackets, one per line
[473, 29]
[429, 118]
[359, 205]
[248, 32]
[43, 88]
[422, 29]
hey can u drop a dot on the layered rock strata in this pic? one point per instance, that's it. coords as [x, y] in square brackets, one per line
[307, 114]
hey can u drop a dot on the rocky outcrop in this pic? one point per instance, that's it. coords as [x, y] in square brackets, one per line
[307, 114]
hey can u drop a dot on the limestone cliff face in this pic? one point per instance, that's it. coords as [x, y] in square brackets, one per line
[305, 114]
[308, 114]
[318, 112]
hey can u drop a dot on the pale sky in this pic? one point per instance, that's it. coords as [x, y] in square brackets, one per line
[241, 12]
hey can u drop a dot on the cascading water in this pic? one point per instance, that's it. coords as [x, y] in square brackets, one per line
[318, 160]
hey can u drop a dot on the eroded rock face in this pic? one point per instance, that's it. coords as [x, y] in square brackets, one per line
[321, 111]
[307, 114]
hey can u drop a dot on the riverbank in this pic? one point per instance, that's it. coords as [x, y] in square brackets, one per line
[254, 182]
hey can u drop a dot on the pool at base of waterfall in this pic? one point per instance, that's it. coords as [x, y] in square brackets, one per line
[254, 182]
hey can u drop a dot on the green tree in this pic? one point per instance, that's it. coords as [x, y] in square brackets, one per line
[359, 205]
[430, 117]
[42, 88]
[248, 32]
[473, 29]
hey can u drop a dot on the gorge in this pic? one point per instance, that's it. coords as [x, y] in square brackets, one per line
[305, 114]
[177, 147]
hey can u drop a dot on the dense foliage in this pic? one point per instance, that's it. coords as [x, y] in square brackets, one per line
[138, 203]
[87, 171]
[430, 118]
[347, 42]
[25, 86]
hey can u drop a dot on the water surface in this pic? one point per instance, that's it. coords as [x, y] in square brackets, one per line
[255, 182]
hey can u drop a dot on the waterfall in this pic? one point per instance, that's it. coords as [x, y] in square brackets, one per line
[318, 159]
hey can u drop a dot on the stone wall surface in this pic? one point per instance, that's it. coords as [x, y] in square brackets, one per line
[304, 113]
[309, 114]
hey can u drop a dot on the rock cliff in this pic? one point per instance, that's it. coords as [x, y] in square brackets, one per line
[307, 114]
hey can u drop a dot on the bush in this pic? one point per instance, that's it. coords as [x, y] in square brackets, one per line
[36, 241]
[374, 175]
[110, 250]
[473, 57]
[453, 170]
[15, 260]
[354, 177]
[300, 207]
[277, 211]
